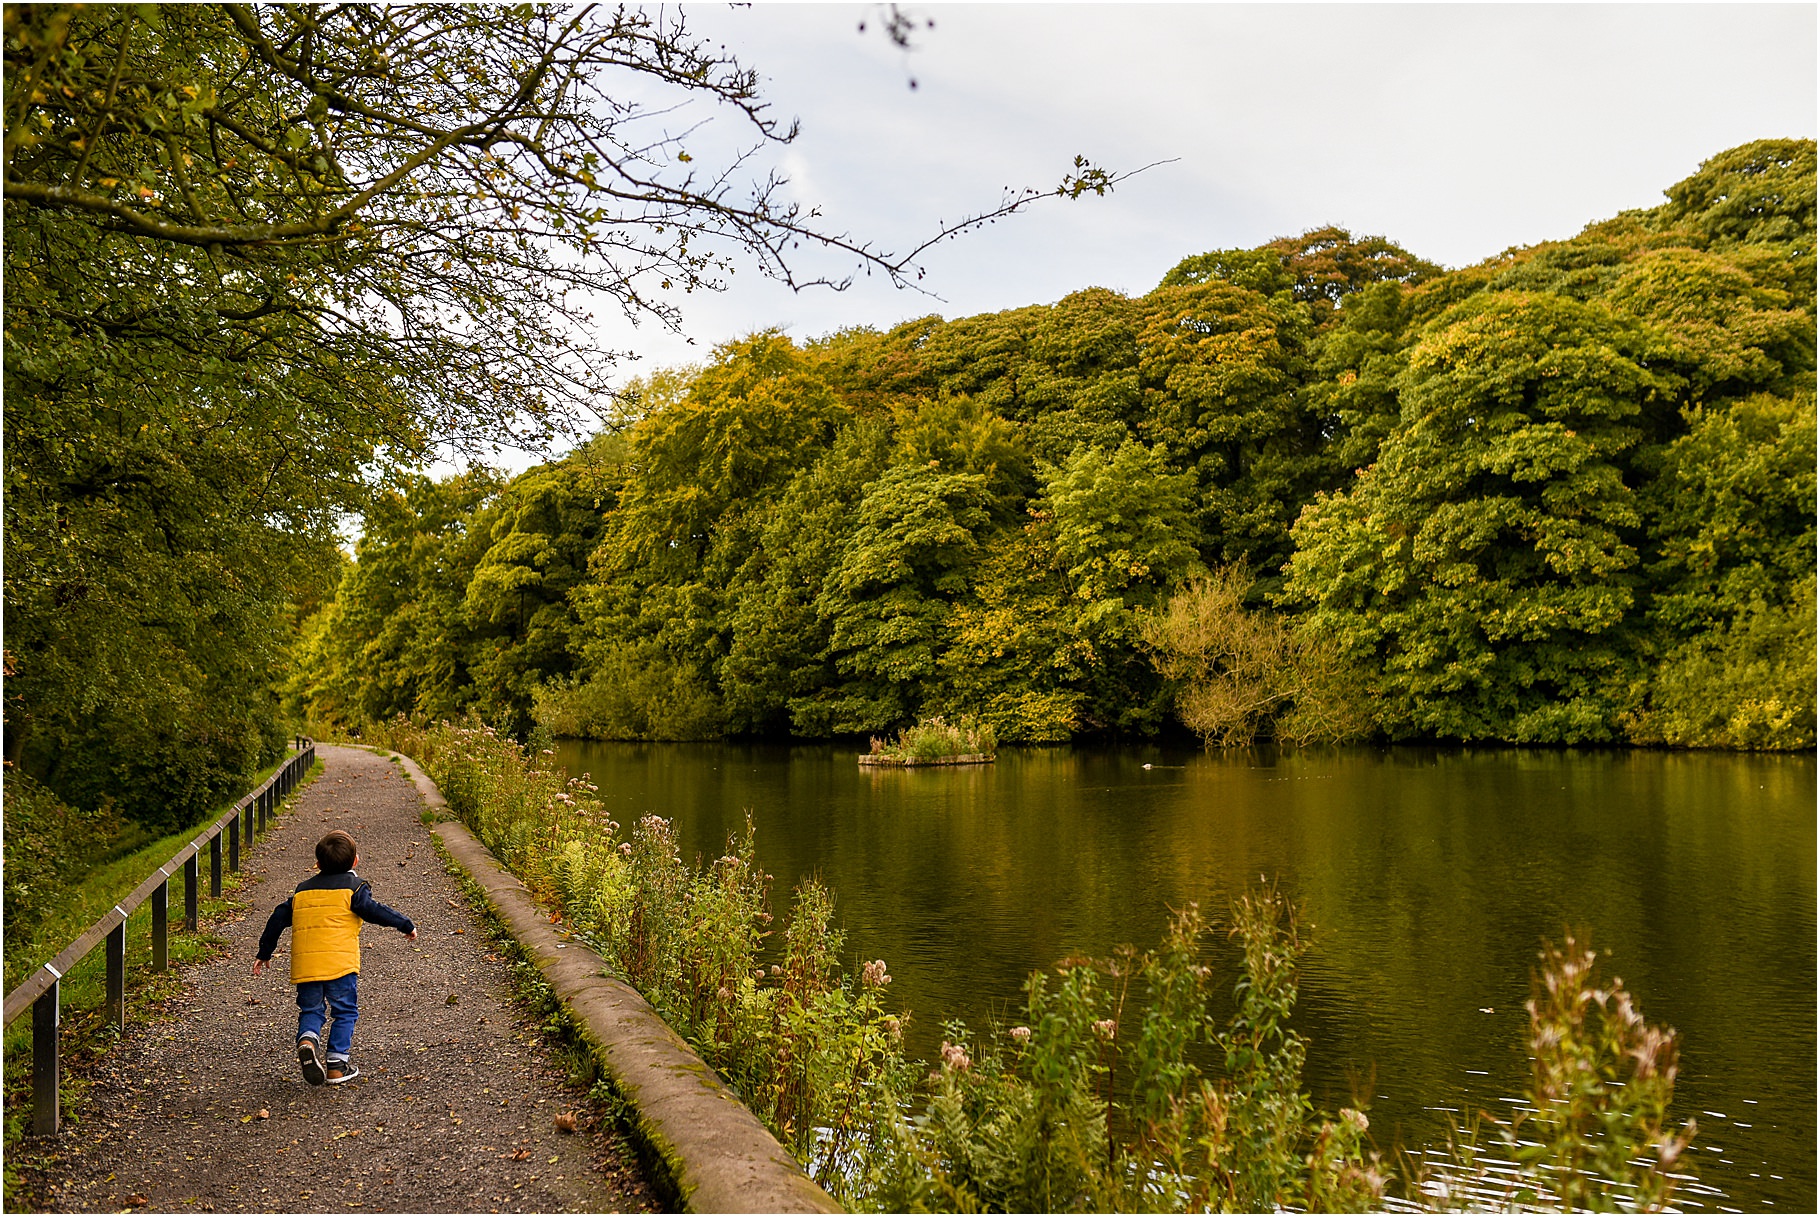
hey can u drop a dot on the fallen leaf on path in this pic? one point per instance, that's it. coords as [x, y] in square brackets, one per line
[552, 1161]
[565, 1121]
[453, 904]
[520, 1156]
[137, 1201]
[263, 1114]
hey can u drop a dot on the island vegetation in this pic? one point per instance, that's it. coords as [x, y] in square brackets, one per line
[935, 741]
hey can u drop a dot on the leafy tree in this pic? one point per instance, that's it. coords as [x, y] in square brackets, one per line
[1018, 658]
[1720, 333]
[543, 527]
[1124, 534]
[1067, 372]
[441, 187]
[256, 256]
[1318, 269]
[961, 434]
[1356, 365]
[1243, 673]
[1488, 560]
[749, 420]
[886, 600]
[778, 662]
[397, 639]
[1760, 193]
[1732, 520]
[1220, 366]
[1563, 495]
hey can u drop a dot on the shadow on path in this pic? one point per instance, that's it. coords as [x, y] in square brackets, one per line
[455, 1111]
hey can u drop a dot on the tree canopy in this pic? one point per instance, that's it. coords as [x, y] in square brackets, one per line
[1317, 490]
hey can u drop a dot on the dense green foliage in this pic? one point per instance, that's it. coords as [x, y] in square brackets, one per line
[1317, 490]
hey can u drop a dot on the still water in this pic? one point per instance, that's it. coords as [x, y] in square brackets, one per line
[1430, 876]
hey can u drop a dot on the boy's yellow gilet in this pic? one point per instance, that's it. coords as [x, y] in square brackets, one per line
[325, 933]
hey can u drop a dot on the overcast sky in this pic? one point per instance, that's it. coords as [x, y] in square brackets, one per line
[1456, 130]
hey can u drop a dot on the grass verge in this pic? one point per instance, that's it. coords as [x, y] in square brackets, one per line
[85, 1034]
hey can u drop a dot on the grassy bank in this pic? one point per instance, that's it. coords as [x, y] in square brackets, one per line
[82, 891]
[83, 990]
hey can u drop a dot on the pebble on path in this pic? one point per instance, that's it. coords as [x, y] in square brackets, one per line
[456, 1109]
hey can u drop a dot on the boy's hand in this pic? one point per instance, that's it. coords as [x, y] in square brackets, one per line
[259, 965]
[411, 937]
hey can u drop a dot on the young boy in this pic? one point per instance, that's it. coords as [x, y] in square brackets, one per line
[325, 914]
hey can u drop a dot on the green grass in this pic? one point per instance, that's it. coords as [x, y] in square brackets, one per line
[83, 991]
[89, 898]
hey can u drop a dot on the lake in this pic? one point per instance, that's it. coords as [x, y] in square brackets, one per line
[1431, 877]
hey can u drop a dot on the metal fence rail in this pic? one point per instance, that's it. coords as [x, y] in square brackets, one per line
[253, 813]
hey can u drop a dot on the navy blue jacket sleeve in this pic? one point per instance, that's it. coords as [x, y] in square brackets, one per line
[368, 909]
[276, 924]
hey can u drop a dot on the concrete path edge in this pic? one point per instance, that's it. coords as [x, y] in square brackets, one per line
[716, 1155]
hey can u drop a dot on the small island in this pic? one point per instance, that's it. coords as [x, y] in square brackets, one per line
[934, 741]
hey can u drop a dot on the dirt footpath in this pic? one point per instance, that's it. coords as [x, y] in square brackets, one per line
[456, 1109]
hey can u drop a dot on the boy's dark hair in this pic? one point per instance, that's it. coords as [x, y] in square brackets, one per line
[335, 853]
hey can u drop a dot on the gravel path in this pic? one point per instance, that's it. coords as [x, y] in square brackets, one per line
[457, 1107]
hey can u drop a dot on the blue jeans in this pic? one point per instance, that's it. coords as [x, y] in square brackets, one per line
[343, 998]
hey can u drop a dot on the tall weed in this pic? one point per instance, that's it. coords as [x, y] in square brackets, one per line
[1593, 1133]
[1095, 1102]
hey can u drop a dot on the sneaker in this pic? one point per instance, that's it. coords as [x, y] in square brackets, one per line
[311, 1060]
[342, 1071]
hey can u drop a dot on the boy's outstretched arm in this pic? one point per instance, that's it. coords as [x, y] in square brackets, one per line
[276, 924]
[368, 909]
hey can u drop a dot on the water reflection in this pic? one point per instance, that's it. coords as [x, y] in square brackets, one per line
[1431, 876]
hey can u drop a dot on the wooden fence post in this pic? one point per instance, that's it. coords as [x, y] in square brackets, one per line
[161, 927]
[45, 1106]
[116, 974]
[234, 841]
[215, 866]
[190, 884]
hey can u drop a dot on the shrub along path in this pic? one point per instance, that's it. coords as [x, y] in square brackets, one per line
[458, 1103]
